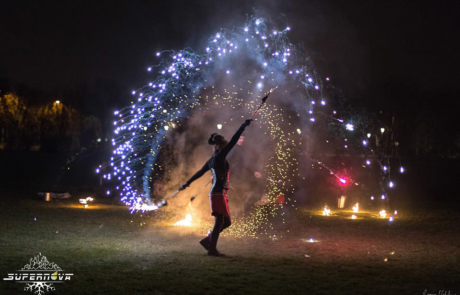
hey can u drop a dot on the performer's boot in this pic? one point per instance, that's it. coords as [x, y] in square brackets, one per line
[205, 242]
[212, 251]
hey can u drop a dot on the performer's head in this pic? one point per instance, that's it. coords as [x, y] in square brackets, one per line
[218, 141]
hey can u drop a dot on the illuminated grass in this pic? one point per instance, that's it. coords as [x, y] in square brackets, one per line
[111, 253]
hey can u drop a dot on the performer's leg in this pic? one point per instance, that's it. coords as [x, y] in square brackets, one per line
[218, 223]
[227, 222]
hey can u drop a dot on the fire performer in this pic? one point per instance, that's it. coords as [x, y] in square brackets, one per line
[220, 184]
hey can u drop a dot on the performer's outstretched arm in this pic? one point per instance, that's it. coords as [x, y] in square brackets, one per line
[224, 152]
[197, 175]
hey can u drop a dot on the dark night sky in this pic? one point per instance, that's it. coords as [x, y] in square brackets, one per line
[396, 51]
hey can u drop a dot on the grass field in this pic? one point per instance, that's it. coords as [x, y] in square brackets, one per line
[109, 252]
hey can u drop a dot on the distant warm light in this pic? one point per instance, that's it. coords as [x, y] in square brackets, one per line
[368, 135]
[383, 213]
[58, 102]
[86, 201]
[166, 127]
[219, 126]
[353, 216]
[343, 180]
[372, 198]
[326, 211]
[299, 131]
[382, 130]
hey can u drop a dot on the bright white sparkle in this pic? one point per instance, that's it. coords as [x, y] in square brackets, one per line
[349, 127]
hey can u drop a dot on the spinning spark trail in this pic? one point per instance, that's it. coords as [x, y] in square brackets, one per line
[243, 64]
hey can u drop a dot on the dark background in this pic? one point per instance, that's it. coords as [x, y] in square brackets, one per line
[387, 52]
[396, 58]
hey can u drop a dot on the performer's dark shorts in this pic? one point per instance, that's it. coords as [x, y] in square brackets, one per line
[219, 203]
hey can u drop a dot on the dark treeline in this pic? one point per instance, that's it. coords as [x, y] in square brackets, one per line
[33, 120]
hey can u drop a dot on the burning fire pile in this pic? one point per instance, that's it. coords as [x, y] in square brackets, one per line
[185, 222]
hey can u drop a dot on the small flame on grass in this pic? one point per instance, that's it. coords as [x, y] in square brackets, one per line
[185, 222]
[86, 201]
[356, 208]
